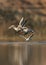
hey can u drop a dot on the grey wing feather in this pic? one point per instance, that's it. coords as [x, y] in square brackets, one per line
[22, 22]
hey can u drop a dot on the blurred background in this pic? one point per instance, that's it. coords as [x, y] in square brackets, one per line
[13, 54]
[11, 11]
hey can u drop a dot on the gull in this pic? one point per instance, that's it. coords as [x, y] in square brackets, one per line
[28, 38]
[21, 27]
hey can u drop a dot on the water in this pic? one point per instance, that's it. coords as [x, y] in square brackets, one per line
[22, 53]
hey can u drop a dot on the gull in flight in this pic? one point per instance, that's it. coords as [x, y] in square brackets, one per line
[21, 27]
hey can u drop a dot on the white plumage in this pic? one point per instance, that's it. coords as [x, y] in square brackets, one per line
[17, 28]
[20, 27]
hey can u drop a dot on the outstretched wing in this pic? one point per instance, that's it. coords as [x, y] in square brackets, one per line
[31, 36]
[22, 22]
[22, 36]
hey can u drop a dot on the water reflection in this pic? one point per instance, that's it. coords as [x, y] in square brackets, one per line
[22, 54]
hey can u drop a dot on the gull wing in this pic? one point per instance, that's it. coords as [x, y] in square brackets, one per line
[30, 36]
[22, 22]
[23, 37]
